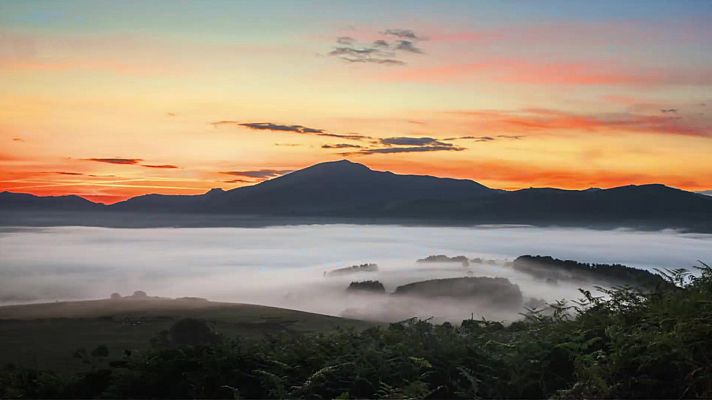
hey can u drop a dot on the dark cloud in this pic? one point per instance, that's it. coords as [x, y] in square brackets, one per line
[413, 141]
[68, 173]
[475, 138]
[485, 138]
[345, 40]
[393, 150]
[270, 126]
[224, 122]
[341, 146]
[378, 54]
[406, 45]
[350, 136]
[123, 161]
[381, 43]
[170, 114]
[669, 110]
[166, 166]
[381, 51]
[406, 144]
[259, 173]
[403, 34]
[238, 181]
[17, 139]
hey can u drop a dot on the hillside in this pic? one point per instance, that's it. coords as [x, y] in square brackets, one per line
[46, 335]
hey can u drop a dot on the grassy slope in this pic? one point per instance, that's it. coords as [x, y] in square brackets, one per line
[46, 335]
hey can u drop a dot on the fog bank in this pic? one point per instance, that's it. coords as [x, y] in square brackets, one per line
[284, 266]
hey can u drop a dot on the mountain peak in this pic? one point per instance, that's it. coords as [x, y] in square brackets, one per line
[339, 165]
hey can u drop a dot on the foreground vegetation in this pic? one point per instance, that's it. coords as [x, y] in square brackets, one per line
[628, 344]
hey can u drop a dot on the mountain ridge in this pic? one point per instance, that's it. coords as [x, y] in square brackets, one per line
[344, 189]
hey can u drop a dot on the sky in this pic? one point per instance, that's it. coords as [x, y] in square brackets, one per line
[110, 100]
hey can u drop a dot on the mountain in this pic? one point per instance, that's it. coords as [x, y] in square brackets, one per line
[330, 188]
[23, 201]
[652, 206]
[344, 189]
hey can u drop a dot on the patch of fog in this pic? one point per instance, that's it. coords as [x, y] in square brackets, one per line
[284, 266]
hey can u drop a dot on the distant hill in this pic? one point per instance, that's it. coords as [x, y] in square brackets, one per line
[495, 291]
[343, 189]
[554, 270]
[23, 201]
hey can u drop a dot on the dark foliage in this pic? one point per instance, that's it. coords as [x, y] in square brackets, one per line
[626, 343]
[554, 269]
[352, 270]
[499, 292]
[366, 286]
[440, 258]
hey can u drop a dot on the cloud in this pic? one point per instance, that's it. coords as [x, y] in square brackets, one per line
[407, 144]
[269, 126]
[475, 138]
[350, 136]
[166, 166]
[393, 150]
[259, 173]
[17, 139]
[486, 138]
[541, 120]
[382, 51]
[341, 146]
[405, 45]
[412, 141]
[122, 161]
[274, 127]
[669, 110]
[238, 181]
[403, 34]
[68, 173]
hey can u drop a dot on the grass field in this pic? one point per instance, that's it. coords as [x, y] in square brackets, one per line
[46, 335]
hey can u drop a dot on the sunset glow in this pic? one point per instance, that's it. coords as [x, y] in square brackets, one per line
[107, 100]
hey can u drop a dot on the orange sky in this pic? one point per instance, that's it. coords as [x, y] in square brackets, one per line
[108, 102]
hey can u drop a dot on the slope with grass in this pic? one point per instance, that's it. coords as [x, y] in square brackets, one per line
[46, 335]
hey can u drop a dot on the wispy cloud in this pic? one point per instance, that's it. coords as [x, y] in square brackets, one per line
[385, 50]
[259, 173]
[68, 173]
[301, 129]
[393, 150]
[526, 71]
[485, 138]
[122, 161]
[162, 166]
[540, 120]
[403, 34]
[412, 141]
[407, 144]
[341, 146]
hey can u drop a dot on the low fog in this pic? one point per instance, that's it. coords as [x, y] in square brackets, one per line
[285, 266]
